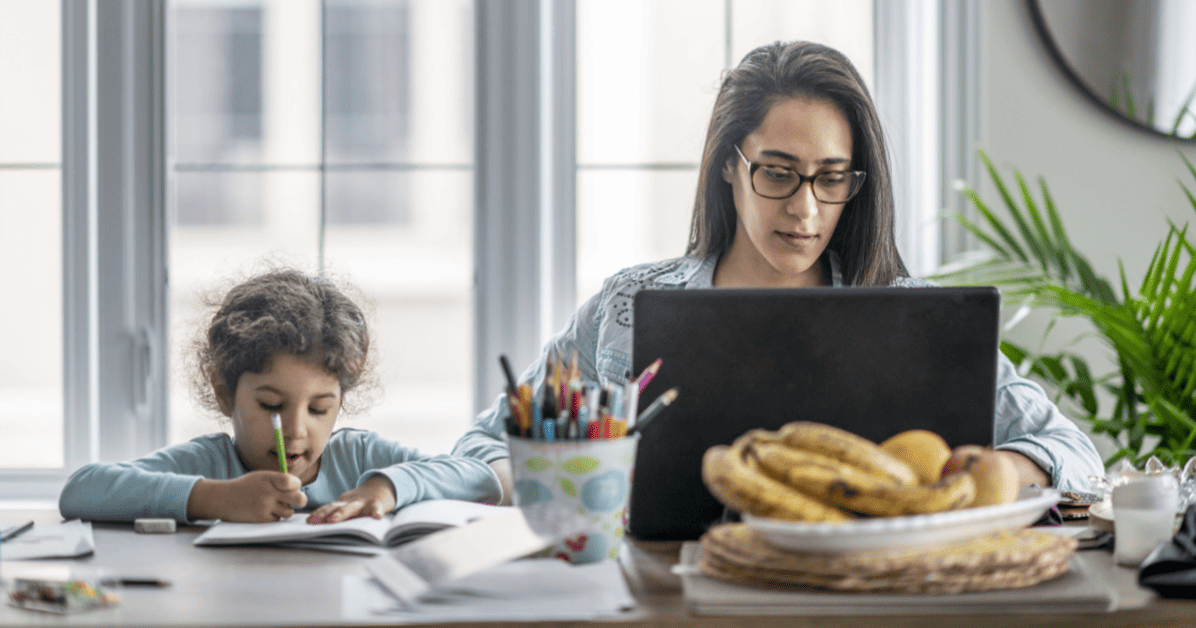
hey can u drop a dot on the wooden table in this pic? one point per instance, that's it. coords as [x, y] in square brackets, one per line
[247, 586]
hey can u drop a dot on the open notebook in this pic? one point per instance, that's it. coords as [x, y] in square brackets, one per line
[409, 523]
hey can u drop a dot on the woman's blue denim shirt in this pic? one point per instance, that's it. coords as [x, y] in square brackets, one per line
[600, 332]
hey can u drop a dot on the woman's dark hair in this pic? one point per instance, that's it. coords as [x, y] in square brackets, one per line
[864, 237]
[281, 311]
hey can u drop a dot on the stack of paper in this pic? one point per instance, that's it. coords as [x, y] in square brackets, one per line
[525, 590]
[50, 540]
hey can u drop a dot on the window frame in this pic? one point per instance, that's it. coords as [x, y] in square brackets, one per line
[113, 241]
[116, 280]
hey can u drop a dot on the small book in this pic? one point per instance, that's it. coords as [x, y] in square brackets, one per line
[409, 523]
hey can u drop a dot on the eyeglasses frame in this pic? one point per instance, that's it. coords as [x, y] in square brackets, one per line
[801, 180]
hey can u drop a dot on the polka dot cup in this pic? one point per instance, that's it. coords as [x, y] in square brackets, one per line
[575, 492]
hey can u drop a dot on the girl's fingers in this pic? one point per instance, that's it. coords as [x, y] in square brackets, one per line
[282, 512]
[324, 513]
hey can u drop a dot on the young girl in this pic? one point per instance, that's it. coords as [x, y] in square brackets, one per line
[294, 345]
[794, 191]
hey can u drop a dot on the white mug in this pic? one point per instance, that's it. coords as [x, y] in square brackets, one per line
[1144, 511]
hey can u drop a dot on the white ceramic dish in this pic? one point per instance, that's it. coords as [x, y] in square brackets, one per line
[905, 532]
[1100, 516]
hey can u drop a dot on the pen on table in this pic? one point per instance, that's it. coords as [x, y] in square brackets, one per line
[647, 375]
[282, 450]
[654, 409]
[135, 582]
[14, 532]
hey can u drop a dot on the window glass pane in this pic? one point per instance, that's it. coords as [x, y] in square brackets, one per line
[246, 81]
[30, 70]
[398, 83]
[31, 320]
[647, 74]
[418, 273]
[394, 190]
[31, 394]
[399, 202]
[845, 25]
[628, 217]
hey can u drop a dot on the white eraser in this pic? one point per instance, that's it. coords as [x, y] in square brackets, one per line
[154, 526]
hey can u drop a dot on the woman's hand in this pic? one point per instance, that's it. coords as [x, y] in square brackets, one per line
[1028, 471]
[374, 498]
[256, 497]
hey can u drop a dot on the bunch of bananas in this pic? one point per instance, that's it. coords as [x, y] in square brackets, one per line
[815, 472]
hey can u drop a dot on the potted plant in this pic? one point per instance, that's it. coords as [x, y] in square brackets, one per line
[1151, 327]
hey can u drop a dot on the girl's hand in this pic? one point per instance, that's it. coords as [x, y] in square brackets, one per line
[374, 498]
[256, 497]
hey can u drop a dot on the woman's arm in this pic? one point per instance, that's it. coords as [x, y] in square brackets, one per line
[1030, 425]
[484, 439]
[1028, 471]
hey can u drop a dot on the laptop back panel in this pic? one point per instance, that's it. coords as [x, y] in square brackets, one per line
[874, 361]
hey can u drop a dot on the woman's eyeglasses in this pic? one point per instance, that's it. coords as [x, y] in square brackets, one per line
[776, 182]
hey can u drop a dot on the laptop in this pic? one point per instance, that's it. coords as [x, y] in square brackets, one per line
[873, 361]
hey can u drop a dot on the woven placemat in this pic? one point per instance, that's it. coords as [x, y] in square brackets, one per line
[1002, 560]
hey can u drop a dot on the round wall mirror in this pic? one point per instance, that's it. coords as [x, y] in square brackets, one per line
[1137, 58]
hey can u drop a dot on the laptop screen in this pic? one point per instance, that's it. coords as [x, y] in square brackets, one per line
[873, 361]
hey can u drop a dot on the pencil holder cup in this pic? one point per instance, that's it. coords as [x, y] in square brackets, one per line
[575, 492]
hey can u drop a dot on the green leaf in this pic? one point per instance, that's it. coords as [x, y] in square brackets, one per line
[1183, 110]
[581, 464]
[1130, 109]
[538, 464]
[1152, 331]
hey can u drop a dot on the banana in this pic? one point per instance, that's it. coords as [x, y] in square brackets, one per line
[731, 478]
[812, 473]
[842, 445]
[951, 492]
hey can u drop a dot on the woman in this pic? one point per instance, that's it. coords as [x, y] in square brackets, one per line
[794, 192]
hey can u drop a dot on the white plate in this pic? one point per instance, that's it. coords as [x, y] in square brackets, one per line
[1100, 516]
[909, 531]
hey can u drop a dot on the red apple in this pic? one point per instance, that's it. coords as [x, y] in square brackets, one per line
[962, 458]
[995, 475]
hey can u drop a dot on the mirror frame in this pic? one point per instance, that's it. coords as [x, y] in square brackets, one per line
[1063, 64]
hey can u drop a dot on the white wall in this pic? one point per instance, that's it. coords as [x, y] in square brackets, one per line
[1114, 186]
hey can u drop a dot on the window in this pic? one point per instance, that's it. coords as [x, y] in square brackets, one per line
[333, 135]
[31, 406]
[647, 77]
[476, 168]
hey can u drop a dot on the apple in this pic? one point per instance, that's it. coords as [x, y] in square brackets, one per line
[961, 458]
[995, 475]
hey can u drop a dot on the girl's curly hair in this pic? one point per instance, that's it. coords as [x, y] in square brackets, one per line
[281, 311]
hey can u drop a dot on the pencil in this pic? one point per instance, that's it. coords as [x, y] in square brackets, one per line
[648, 374]
[655, 408]
[506, 371]
[282, 450]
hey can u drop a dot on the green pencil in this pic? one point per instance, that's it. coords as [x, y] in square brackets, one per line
[282, 450]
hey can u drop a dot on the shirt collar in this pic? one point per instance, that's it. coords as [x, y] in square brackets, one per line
[698, 272]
